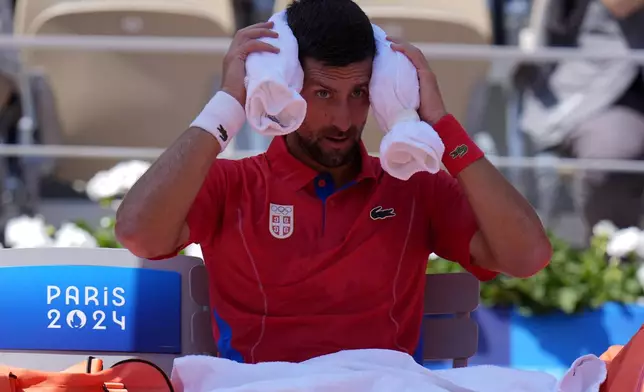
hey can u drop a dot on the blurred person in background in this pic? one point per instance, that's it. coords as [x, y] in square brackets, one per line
[591, 109]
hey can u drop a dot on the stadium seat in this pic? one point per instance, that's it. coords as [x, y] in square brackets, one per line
[28, 10]
[61, 305]
[126, 99]
[436, 21]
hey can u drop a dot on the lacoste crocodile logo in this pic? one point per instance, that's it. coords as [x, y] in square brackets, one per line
[223, 134]
[380, 213]
[458, 152]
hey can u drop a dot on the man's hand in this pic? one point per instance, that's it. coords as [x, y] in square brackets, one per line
[245, 42]
[511, 238]
[432, 107]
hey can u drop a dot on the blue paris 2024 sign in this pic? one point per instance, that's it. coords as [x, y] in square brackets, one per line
[90, 308]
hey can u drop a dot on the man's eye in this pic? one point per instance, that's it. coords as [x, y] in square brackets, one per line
[358, 93]
[322, 94]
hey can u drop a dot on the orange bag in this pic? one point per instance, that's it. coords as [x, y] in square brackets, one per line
[625, 366]
[131, 375]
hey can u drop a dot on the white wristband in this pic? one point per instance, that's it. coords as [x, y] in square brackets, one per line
[223, 117]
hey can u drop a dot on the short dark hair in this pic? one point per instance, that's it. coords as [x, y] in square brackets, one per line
[335, 32]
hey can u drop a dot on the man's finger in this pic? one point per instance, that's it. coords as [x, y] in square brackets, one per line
[258, 46]
[260, 33]
[400, 48]
[404, 47]
[414, 55]
[394, 40]
[261, 25]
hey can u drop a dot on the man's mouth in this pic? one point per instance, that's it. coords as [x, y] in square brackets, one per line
[338, 142]
[338, 139]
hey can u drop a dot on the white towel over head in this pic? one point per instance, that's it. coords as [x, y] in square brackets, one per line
[274, 105]
[410, 145]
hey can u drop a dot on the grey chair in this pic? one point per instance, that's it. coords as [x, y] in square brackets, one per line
[448, 331]
[41, 326]
[445, 338]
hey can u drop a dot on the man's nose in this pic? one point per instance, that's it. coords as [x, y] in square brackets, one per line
[342, 117]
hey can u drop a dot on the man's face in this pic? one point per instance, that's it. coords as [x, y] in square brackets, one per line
[337, 108]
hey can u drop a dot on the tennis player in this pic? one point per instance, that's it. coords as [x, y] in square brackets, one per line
[311, 247]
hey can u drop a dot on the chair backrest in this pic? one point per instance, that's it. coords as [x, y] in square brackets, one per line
[27, 10]
[111, 98]
[435, 21]
[448, 331]
[60, 305]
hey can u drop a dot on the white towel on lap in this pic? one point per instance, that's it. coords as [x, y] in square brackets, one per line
[373, 371]
[274, 105]
[409, 145]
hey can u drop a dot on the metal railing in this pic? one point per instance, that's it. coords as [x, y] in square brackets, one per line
[220, 45]
[96, 152]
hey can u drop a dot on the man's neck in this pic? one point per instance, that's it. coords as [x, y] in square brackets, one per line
[341, 174]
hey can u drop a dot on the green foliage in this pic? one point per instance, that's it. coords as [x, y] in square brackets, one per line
[104, 234]
[574, 281]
